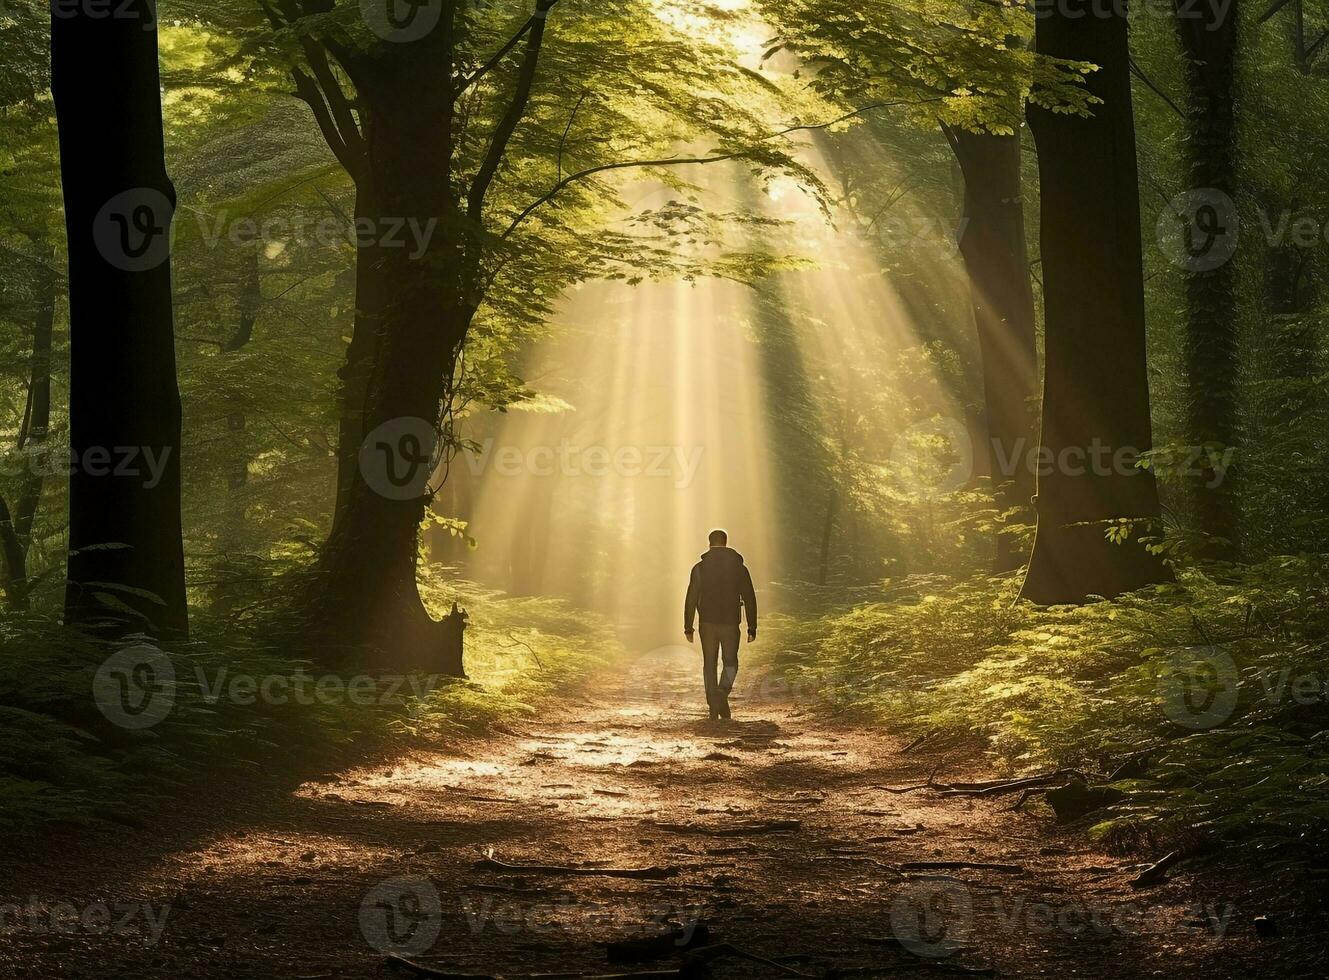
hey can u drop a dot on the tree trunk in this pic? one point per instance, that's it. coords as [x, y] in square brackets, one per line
[126, 561]
[827, 531]
[1209, 46]
[251, 298]
[360, 354]
[992, 244]
[412, 314]
[16, 526]
[1095, 391]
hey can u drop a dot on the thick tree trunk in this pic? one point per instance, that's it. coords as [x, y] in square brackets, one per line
[126, 563]
[992, 244]
[1096, 392]
[412, 314]
[1209, 44]
[360, 353]
[16, 525]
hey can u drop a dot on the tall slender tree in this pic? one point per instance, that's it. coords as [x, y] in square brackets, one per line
[996, 257]
[16, 523]
[1096, 391]
[126, 559]
[1208, 34]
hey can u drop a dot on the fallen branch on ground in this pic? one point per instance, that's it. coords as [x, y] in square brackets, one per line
[1157, 872]
[915, 743]
[1014, 869]
[931, 783]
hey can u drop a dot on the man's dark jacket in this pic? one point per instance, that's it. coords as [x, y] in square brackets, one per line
[720, 581]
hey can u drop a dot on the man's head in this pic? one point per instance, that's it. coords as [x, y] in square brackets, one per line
[718, 539]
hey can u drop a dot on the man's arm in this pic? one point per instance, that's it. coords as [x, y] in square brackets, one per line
[690, 603]
[749, 602]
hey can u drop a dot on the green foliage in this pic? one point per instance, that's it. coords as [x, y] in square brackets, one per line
[62, 760]
[1092, 687]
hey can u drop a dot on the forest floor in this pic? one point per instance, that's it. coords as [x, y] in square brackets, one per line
[771, 833]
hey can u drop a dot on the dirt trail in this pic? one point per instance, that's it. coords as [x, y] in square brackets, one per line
[321, 882]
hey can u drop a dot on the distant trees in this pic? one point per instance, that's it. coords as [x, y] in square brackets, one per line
[17, 522]
[1096, 391]
[126, 557]
[965, 71]
[430, 123]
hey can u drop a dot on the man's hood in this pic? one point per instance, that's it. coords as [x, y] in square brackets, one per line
[722, 554]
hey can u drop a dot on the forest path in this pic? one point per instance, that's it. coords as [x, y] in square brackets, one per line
[772, 830]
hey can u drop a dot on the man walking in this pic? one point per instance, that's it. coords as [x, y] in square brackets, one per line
[719, 584]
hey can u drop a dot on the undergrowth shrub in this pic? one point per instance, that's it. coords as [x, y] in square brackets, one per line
[1205, 699]
[62, 759]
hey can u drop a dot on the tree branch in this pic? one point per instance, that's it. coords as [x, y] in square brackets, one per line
[1310, 51]
[580, 175]
[567, 129]
[1139, 73]
[498, 146]
[346, 146]
[1278, 5]
[337, 101]
[493, 62]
